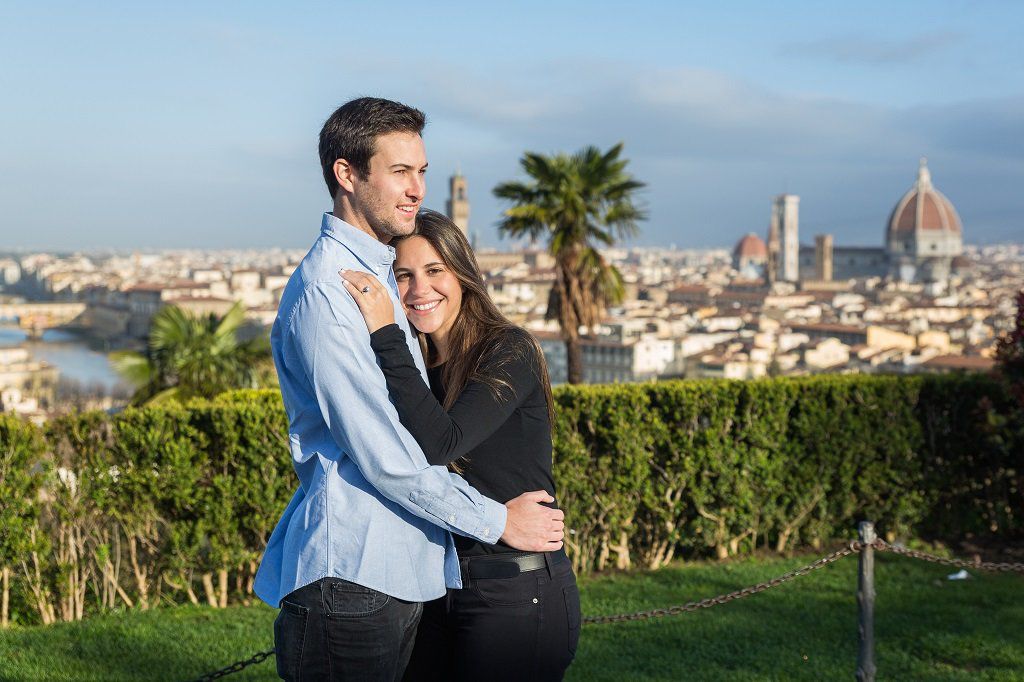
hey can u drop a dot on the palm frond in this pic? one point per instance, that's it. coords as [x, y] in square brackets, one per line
[578, 201]
[135, 368]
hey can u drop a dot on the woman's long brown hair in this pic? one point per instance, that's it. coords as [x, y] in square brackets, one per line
[480, 332]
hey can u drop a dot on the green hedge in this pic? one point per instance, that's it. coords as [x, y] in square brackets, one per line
[719, 468]
[175, 504]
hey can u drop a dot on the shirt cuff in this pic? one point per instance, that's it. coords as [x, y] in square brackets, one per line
[493, 516]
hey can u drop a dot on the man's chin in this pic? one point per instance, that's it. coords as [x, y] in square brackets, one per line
[407, 220]
[405, 228]
[388, 230]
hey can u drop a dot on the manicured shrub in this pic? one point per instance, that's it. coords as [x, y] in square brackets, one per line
[175, 504]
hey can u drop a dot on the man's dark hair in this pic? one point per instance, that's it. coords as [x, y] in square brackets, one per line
[352, 130]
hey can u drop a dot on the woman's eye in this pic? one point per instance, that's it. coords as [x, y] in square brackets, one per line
[434, 271]
[402, 277]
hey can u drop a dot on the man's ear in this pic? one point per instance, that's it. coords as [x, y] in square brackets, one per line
[344, 174]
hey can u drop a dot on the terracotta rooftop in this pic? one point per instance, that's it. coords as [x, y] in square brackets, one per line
[173, 284]
[824, 327]
[200, 299]
[750, 246]
[968, 362]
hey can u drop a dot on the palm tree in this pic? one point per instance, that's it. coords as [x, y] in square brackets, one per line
[578, 202]
[193, 356]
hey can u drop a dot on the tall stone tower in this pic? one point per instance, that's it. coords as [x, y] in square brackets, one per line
[823, 257]
[458, 202]
[774, 246]
[784, 236]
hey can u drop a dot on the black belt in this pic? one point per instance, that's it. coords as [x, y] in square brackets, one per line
[500, 566]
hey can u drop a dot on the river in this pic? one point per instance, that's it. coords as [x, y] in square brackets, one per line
[67, 352]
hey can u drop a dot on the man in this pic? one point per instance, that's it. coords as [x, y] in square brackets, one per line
[365, 539]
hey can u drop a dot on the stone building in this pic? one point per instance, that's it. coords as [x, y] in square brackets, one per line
[457, 205]
[784, 239]
[27, 386]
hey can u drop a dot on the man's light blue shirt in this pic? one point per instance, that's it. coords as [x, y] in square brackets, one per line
[369, 508]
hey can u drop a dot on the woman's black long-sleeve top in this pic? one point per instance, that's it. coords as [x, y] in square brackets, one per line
[505, 438]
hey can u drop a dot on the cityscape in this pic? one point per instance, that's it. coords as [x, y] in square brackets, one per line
[924, 300]
[707, 363]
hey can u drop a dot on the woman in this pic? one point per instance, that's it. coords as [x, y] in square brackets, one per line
[487, 415]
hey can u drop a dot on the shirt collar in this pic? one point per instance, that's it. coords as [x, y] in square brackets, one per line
[364, 247]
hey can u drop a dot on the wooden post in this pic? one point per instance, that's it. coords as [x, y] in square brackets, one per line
[866, 604]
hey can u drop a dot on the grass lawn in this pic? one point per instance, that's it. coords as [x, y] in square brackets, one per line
[927, 628]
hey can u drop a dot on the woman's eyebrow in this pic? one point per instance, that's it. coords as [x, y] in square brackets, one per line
[426, 265]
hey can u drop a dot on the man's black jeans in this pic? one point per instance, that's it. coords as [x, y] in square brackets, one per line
[334, 629]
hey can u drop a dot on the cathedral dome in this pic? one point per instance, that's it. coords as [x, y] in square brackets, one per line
[750, 257]
[751, 247]
[922, 209]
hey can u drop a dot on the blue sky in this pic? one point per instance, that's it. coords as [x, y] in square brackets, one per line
[194, 124]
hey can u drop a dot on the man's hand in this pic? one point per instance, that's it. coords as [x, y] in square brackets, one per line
[532, 527]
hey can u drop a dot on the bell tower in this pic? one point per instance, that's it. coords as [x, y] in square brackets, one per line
[458, 202]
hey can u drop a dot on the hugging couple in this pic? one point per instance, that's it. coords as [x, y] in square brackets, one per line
[424, 541]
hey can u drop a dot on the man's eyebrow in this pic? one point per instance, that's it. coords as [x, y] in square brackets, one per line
[406, 166]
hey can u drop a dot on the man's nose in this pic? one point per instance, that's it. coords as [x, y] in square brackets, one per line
[417, 187]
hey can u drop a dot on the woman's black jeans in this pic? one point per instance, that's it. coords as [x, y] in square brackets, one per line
[334, 629]
[523, 628]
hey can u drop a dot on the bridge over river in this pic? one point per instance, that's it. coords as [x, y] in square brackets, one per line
[35, 318]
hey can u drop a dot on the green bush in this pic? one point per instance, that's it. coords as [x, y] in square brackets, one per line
[22, 472]
[176, 504]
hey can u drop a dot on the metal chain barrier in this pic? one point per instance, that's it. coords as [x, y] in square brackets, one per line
[852, 548]
[235, 667]
[1001, 567]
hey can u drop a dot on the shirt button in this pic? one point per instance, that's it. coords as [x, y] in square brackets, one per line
[451, 519]
[534, 600]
